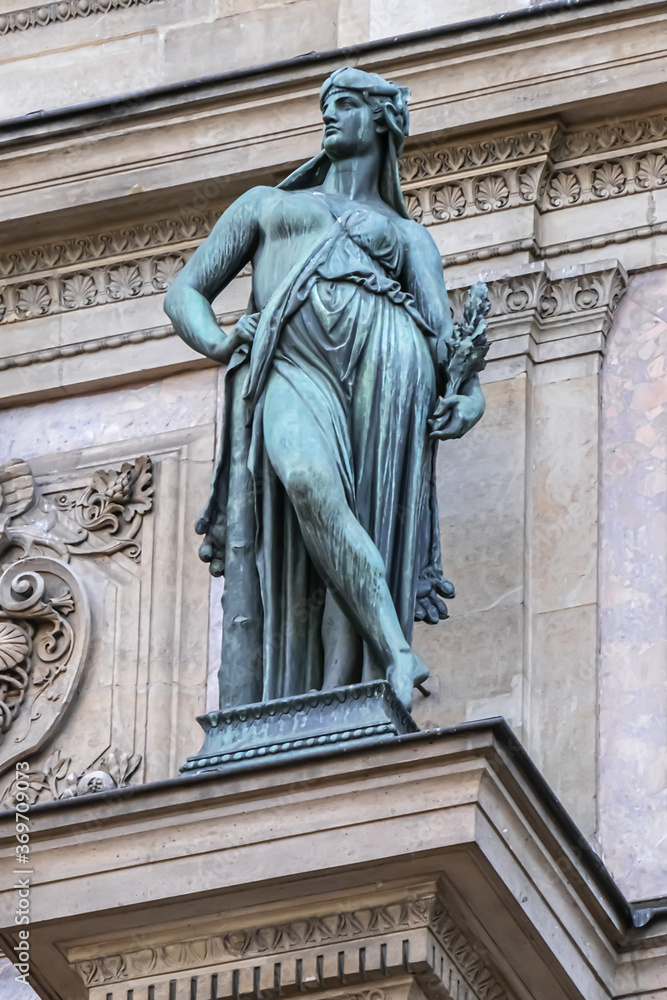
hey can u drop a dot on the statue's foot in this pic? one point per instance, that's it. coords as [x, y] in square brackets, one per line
[408, 670]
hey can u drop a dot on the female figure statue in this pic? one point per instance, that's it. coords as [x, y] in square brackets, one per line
[322, 516]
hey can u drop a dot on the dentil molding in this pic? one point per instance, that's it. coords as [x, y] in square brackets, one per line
[417, 936]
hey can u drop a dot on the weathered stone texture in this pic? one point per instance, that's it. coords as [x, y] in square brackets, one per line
[633, 591]
[535, 159]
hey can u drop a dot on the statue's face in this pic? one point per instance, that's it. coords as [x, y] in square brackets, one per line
[349, 126]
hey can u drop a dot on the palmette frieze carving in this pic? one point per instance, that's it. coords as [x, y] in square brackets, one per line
[67, 291]
[457, 157]
[589, 182]
[458, 965]
[441, 184]
[62, 10]
[475, 195]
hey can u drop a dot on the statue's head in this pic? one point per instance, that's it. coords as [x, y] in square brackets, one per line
[360, 109]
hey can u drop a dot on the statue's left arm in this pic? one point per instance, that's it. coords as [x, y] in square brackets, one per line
[454, 415]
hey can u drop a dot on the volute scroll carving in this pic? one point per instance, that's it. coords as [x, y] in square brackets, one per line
[44, 608]
[44, 635]
[112, 508]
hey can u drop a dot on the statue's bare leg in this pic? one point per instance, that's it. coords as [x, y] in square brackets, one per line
[344, 554]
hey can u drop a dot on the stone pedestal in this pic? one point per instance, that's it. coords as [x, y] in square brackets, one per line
[300, 726]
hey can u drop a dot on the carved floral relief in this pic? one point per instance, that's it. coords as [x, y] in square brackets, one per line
[55, 779]
[44, 608]
[45, 618]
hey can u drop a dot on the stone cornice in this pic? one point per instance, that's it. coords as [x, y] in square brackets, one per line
[510, 32]
[65, 10]
[465, 799]
[61, 10]
[610, 136]
[387, 935]
[549, 315]
[442, 184]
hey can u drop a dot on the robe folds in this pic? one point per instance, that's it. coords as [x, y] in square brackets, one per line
[353, 346]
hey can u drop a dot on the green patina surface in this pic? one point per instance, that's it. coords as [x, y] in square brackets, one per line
[342, 378]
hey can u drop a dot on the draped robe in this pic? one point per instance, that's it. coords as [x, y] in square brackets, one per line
[350, 341]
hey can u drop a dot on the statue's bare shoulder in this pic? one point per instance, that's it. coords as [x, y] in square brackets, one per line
[422, 251]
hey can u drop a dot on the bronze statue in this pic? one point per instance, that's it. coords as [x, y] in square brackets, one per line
[323, 516]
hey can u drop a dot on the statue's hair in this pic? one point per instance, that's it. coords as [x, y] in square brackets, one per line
[388, 100]
[389, 103]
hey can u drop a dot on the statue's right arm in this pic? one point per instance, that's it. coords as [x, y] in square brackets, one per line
[211, 268]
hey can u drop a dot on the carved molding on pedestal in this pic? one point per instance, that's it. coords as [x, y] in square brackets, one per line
[44, 608]
[416, 937]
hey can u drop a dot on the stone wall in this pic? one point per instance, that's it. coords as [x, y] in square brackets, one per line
[538, 161]
[633, 589]
[72, 51]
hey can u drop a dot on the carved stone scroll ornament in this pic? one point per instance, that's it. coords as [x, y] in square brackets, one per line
[44, 613]
[111, 509]
[99, 519]
[56, 779]
[44, 634]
